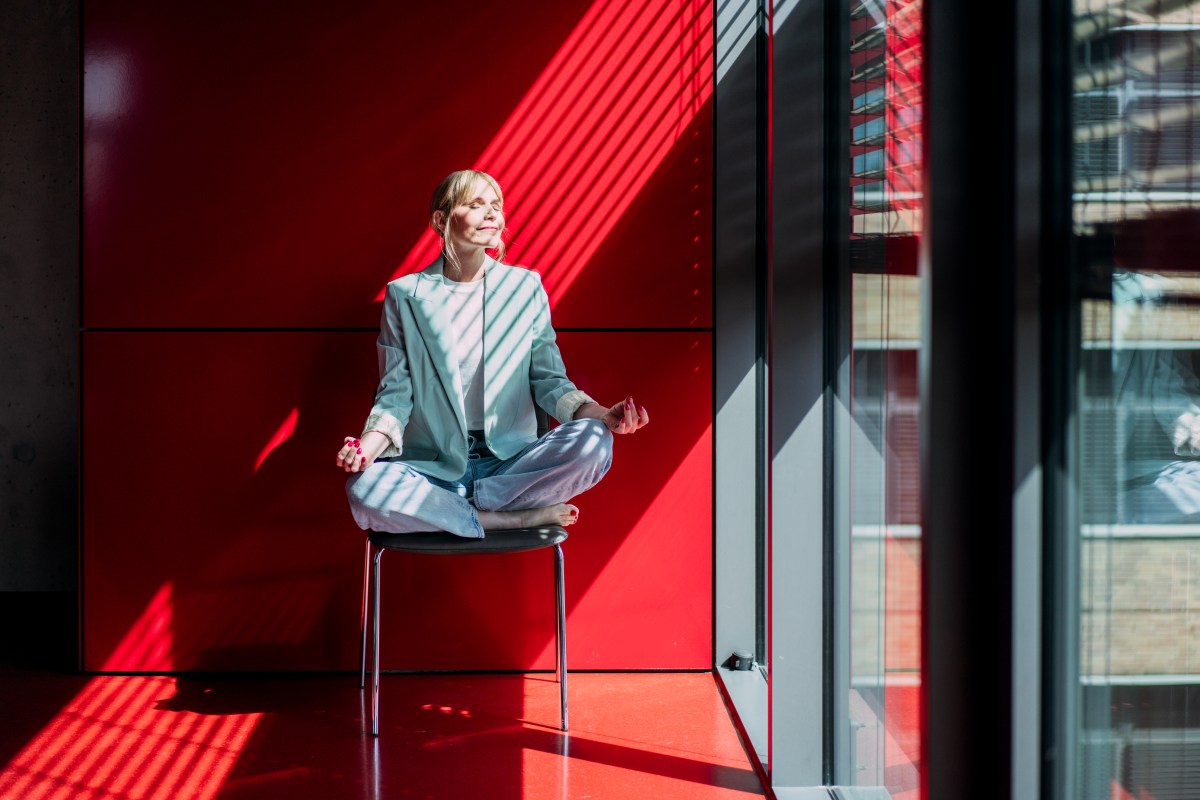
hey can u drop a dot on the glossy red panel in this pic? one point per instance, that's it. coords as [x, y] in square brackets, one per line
[247, 168]
[654, 269]
[216, 533]
[186, 545]
[646, 593]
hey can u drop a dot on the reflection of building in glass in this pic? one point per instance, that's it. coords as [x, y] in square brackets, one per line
[1155, 398]
[1136, 103]
[1136, 213]
[885, 194]
[880, 433]
[885, 128]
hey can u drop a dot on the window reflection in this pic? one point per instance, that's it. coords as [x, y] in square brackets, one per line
[883, 518]
[1137, 225]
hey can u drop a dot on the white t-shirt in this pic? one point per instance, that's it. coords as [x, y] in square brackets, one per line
[466, 309]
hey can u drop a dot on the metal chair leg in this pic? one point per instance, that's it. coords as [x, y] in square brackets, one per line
[362, 658]
[560, 598]
[375, 646]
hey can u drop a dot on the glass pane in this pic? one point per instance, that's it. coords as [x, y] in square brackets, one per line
[1137, 226]
[883, 498]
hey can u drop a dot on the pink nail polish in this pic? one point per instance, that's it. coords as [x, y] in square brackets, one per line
[360, 451]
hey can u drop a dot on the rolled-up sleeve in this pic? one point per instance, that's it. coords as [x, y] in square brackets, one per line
[552, 390]
[393, 398]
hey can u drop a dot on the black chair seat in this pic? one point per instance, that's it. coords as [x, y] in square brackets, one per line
[442, 543]
[517, 540]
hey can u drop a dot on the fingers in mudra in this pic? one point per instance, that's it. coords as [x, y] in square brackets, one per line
[626, 417]
[350, 457]
[615, 419]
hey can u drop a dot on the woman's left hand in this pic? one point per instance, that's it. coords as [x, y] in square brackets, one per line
[625, 417]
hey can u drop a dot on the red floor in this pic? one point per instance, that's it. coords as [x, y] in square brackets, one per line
[654, 735]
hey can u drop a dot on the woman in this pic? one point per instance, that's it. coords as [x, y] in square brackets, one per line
[465, 350]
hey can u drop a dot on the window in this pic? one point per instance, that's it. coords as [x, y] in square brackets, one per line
[1136, 217]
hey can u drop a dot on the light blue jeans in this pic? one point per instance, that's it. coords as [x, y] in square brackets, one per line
[392, 497]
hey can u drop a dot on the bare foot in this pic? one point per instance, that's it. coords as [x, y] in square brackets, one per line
[561, 514]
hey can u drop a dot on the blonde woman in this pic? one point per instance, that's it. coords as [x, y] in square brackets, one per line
[465, 350]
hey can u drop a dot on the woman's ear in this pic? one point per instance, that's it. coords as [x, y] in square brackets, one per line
[439, 221]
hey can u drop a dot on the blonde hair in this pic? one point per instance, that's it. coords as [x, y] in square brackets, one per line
[454, 190]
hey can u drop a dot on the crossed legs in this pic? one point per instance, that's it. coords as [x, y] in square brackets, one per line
[527, 490]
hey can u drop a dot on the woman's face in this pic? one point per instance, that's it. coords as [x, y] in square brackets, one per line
[478, 222]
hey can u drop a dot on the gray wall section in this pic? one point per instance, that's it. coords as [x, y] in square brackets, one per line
[797, 374]
[734, 224]
[798, 387]
[39, 280]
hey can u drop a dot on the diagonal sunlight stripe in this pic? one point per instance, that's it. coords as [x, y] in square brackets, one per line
[81, 739]
[903, 55]
[132, 745]
[147, 644]
[606, 165]
[90, 759]
[588, 135]
[687, 487]
[112, 740]
[595, 111]
[284, 432]
[114, 773]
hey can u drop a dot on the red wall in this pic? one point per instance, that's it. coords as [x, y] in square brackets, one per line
[251, 182]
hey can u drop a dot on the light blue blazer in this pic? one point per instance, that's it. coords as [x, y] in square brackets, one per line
[419, 402]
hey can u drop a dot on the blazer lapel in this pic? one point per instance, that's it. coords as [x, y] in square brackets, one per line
[430, 305]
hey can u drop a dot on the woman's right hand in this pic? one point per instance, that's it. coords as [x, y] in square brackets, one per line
[358, 454]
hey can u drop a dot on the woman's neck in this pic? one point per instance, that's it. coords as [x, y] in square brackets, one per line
[470, 266]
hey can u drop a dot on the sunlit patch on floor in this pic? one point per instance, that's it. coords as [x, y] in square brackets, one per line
[116, 740]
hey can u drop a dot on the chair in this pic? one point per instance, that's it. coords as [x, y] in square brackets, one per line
[518, 540]
[441, 543]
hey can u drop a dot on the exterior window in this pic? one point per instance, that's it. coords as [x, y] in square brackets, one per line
[880, 507]
[1136, 215]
